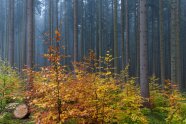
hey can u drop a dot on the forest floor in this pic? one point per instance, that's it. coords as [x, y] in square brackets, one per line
[8, 118]
[88, 95]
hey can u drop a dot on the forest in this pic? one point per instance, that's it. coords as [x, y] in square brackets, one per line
[92, 62]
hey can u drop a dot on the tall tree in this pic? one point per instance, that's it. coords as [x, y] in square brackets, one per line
[30, 32]
[51, 21]
[23, 35]
[143, 50]
[175, 54]
[178, 56]
[56, 14]
[137, 42]
[11, 32]
[161, 32]
[99, 44]
[1, 31]
[127, 33]
[75, 30]
[82, 28]
[122, 32]
[115, 37]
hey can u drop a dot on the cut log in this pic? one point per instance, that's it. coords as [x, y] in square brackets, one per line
[21, 111]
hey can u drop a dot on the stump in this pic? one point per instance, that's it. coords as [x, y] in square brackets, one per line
[21, 111]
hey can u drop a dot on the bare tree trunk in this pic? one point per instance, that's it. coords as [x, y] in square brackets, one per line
[162, 67]
[143, 50]
[100, 27]
[137, 42]
[75, 30]
[115, 38]
[173, 41]
[81, 32]
[178, 59]
[122, 33]
[11, 32]
[127, 34]
[1, 31]
[51, 21]
[30, 33]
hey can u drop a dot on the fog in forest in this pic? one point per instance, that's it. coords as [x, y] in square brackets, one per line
[115, 39]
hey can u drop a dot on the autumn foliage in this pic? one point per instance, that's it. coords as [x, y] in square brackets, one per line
[92, 94]
[88, 94]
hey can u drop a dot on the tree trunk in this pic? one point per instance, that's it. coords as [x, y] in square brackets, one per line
[143, 50]
[122, 33]
[50, 8]
[81, 33]
[173, 41]
[115, 38]
[100, 27]
[75, 30]
[161, 32]
[11, 33]
[137, 43]
[30, 32]
[30, 38]
[178, 59]
[127, 33]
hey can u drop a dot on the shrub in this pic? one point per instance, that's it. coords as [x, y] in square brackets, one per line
[89, 94]
[10, 85]
[167, 103]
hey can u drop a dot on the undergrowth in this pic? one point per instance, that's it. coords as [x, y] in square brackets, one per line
[10, 85]
[11, 93]
[92, 94]
[89, 94]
